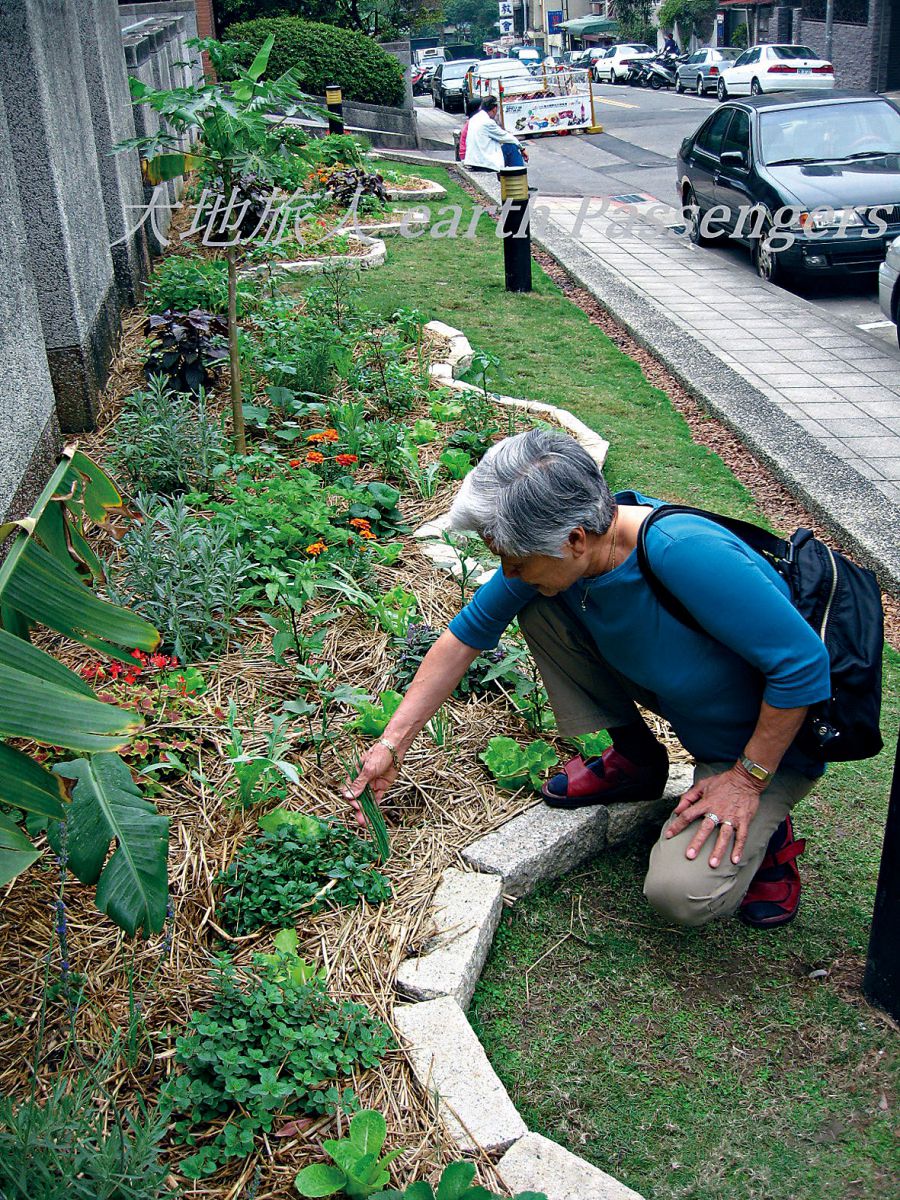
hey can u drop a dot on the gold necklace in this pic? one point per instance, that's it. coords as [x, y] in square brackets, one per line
[610, 562]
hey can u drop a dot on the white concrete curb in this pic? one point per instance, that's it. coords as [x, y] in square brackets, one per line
[374, 257]
[431, 191]
[458, 360]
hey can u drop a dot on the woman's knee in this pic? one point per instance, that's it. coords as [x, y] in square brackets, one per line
[674, 900]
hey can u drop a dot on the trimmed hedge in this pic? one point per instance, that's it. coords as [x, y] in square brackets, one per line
[325, 54]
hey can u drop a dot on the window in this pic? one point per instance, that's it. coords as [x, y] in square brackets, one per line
[753, 56]
[737, 137]
[830, 132]
[793, 52]
[846, 12]
[709, 139]
[744, 59]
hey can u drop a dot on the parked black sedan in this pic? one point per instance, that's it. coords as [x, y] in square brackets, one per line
[448, 83]
[810, 181]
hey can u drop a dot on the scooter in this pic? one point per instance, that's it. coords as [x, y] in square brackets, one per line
[661, 72]
[421, 80]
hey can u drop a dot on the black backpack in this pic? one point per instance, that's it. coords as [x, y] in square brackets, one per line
[841, 601]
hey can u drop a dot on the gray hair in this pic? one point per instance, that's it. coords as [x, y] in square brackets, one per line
[530, 491]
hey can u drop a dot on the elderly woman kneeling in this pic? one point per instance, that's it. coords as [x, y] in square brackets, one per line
[735, 691]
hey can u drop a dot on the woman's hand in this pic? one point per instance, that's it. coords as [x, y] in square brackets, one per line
[729, 796]
[377, 772]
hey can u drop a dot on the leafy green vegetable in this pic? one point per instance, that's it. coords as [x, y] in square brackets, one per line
[297, 864]
[359, 1171]
[514, 767]
[457, 463]
[373, 718]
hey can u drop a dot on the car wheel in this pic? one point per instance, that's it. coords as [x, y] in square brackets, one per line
[755, 88]
[693, 216]
[722, 90]
[700, 89]
[679, 86]
[765, 260]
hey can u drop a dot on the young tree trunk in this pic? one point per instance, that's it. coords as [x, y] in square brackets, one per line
[237, 398]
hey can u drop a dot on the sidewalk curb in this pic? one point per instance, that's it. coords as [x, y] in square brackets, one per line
[855, 511]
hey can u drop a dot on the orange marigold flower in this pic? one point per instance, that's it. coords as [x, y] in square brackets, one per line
[316, 548]
[315, 457]
[330, 435]
[360, 523]
[346, 460]
[368, 534]
[295, 462]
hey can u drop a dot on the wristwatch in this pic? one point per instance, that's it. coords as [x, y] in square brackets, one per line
[755, 769]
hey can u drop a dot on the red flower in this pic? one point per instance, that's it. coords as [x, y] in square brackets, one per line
[160, 661]
[295, 462]
[346, 460]
[130, 677]
[315, 457]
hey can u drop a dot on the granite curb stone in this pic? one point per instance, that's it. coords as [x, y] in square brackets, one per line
[451, 1066]
[537, 1164]
[466, 910]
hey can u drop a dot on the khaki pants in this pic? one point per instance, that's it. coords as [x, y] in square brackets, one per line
[588, 694]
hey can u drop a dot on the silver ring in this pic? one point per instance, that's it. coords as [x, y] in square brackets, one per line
[731, 823]
[712, 817]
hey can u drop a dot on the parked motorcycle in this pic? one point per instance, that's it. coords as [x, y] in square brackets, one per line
[421, 80]
[661, 71]
[637, 71]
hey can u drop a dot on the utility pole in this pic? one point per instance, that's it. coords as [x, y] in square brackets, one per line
[829, 28]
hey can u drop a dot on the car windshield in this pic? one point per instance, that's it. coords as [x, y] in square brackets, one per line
[793, 52]
[457, 70]
[829, 132]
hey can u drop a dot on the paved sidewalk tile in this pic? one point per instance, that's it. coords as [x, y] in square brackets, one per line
[841, 388]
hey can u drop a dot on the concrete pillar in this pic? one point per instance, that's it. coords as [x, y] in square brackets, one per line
[112, 114]
[29, 434]
[139, 48]
[55, 162]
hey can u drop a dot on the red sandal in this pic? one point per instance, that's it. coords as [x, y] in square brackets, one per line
[609, 779]
[773, 897]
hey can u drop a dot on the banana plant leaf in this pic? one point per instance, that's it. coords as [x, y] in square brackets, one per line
[106, 806]
[16, 852]
[44, 712]
[26, 785]
[47, 592]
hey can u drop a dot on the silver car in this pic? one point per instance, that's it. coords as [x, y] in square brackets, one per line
[700, 72]
[889, 285]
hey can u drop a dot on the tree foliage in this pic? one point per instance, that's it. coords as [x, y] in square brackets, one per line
[693, 17]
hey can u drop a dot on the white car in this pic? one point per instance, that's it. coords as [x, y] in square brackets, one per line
[612, 67]
[774, 69]
[486, 77]
[889, 285]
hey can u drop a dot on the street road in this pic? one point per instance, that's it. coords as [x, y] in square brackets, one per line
[635, 158]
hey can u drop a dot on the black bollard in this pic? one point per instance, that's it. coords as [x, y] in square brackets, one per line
[881, 982]
[516, 230]
[335, 102]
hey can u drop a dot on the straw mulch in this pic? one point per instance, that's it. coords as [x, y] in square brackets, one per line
[442, 802]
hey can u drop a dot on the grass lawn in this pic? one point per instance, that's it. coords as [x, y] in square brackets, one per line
[697, 1065]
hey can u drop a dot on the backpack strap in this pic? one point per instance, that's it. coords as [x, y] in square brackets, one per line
[775, 549]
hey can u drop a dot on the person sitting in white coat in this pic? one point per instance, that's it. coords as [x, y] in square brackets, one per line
[488, 145]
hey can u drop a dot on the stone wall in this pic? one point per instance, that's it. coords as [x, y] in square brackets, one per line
[73, 243]
[857, 50]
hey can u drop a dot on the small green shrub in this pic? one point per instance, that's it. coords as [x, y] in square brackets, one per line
[298, 862]
[491, 671]
[67, 1148]
[182, 283]
[181, 573]
[323, 55]
[277, 1042]
[167, 442]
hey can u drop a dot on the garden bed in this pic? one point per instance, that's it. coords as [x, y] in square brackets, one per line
[300, 355]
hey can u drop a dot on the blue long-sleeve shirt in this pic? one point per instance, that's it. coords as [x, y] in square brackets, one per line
[709, 687]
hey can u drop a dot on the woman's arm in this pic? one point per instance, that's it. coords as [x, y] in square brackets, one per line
[441, 670]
